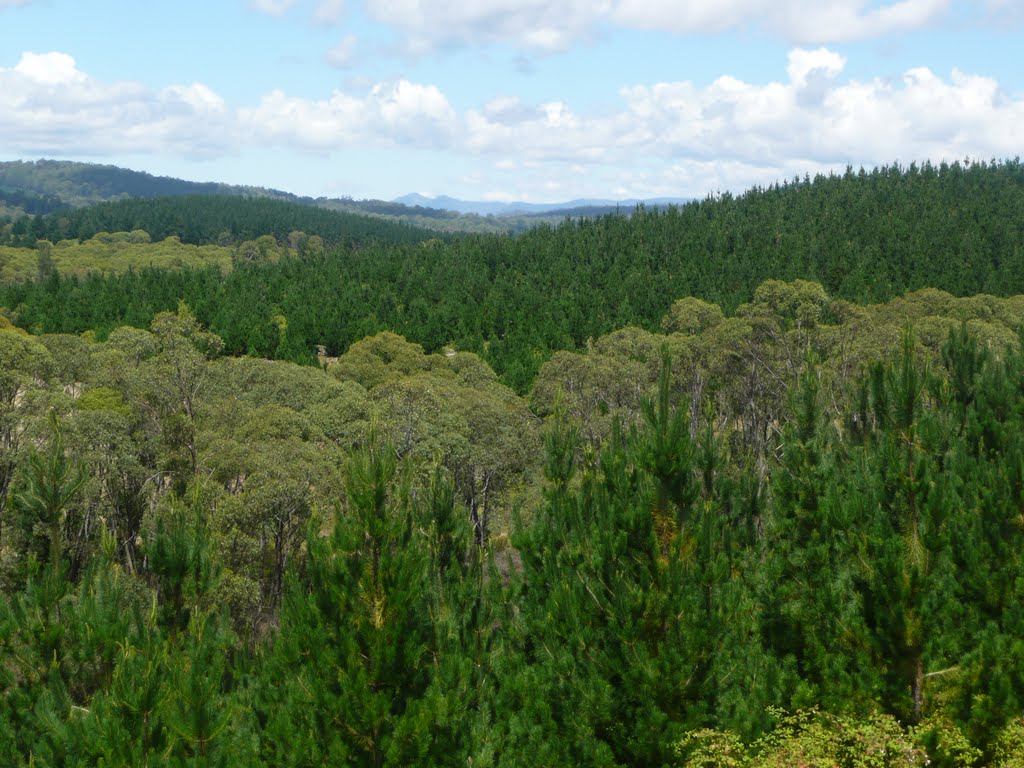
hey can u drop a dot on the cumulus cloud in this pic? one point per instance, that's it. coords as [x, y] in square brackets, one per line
[659, 138]
[812, 120]
[795, 20]
[326, 12]
[49, 106]
[399, 112]
[49, 69]
[555, 25]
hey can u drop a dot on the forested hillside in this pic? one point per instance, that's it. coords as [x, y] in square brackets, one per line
[735, 484]
[78, 184]
[866, 237]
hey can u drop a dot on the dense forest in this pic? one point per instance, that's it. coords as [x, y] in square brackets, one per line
[209, 220]
[739, 483]
[866, 237]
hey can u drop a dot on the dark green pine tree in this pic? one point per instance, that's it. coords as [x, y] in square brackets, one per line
[989, 680]
[35, 641]
[610, 645]
[738, 676]
[50, 482]
[205, 722]
[909, 507]
[451, 723]
[807, 585]
[561, 693]
[125, 725]
[136, 686]
[180, 564]
[351, 674]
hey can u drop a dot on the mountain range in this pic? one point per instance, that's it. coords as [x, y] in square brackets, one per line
[494, 208]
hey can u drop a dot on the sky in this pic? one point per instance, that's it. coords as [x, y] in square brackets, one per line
[530, 100]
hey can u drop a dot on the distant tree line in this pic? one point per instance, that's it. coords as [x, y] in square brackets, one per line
[206, 220]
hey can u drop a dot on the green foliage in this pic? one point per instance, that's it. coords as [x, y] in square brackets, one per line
[810, 509]
[796, 253]
[70, 257]
[808, 738]
[201, 220]
[360, 649]
[50, 482]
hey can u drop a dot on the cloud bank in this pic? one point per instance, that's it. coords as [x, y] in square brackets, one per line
[665, 135]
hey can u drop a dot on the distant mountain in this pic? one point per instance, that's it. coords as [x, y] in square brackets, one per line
[488, 208]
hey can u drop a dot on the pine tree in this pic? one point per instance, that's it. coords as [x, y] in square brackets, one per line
[911, 510]
[812, 621]
[353, 656]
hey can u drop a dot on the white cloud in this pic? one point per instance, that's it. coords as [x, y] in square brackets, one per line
[49, 68]
[556, 25]
[659, 138]
[752, 133]
[399, 112]
[343, 53]
[325, 12]
[807, 65]
[49, 106]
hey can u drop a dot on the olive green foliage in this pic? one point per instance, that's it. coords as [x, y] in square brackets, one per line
[111, 253]
[808, 738]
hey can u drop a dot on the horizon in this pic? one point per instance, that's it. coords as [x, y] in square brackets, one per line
[533, 103]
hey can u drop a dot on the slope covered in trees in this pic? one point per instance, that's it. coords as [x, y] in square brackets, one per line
[397, 561]
[866, 237]
[78, 184]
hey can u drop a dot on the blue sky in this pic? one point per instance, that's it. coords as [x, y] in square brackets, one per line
[538, 100]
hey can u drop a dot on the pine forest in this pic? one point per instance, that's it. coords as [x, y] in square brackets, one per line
[734, 483]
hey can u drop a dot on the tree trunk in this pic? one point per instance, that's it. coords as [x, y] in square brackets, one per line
[917, 689]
